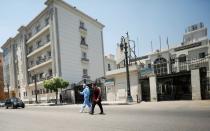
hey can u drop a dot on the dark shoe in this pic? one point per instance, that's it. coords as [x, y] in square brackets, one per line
[101, 113]
[91, 113]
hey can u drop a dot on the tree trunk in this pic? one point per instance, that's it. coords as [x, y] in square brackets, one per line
[56, 97]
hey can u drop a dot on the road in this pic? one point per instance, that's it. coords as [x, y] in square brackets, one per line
[160, 116]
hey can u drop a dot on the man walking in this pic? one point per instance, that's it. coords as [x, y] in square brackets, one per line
[96, 99]
[86, 94]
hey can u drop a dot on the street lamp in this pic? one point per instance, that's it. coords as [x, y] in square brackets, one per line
[35, 84]
[124, 45]
[8, 89]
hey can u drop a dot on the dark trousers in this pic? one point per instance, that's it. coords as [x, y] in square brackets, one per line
[99, 104]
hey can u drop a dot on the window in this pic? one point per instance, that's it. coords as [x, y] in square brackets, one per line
[83, 40]
[85, 72]
[49, 53]
[31, 63]
[149, 66]
[30, 49]
[37, 28]
[109, 67]
[202, 55]
[182, 58]
[26, 93]
[41, 75]
[38, 43]
[48, 37]
[84, 55]
[160, 66]
[29, 35]
[47, 21]
[82, 24]
[172, 60]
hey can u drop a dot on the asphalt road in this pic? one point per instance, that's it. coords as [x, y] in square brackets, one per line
[165, 116]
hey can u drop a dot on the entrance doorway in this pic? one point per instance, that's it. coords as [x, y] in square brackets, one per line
[174, 87]
[145, 89]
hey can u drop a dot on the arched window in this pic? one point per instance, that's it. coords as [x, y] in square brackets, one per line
[160, 66]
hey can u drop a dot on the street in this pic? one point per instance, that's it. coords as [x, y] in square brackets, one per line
[146, 116]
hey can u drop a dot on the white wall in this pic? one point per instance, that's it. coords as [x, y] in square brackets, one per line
[70, 50]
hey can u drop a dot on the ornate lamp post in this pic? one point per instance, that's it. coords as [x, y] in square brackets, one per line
[124, 45]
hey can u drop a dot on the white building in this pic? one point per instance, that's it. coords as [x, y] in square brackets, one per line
[180, 73]
[61, 41]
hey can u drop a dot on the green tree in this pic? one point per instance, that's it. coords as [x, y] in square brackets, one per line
[55, 84]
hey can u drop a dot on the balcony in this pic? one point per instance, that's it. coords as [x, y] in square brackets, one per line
[40, 63]
[40, 80]
[43, 30]
[83, 45]
[83, 30]
[85, 76]
[85, 60]
[38, 49]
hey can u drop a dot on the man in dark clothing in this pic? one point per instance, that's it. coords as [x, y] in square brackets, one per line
[96, 99]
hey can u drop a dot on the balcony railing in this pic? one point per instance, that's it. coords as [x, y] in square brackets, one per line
[82, 28]
[174, 67]
[40, 61]
[83, 44]
[39, 79]
[38, 47]
[37, 34]
[85, 76]
[86, 60]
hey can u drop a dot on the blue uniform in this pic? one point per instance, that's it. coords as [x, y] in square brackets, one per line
[86, 94]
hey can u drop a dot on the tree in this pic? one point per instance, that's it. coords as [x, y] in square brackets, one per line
[54, 84]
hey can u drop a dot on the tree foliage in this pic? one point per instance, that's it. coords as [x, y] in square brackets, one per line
[55, 84]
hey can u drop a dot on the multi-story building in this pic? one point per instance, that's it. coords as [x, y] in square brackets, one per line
[61, 41]
[2, 93]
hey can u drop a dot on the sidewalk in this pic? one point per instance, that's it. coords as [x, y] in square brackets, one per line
[103, 103]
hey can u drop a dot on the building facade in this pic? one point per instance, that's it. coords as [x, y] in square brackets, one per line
[2, 93]
[61, 41]
[180, 73]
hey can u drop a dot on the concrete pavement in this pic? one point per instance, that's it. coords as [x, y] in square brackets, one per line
[146, 116]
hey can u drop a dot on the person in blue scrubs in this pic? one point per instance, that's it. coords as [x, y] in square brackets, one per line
[86, 94]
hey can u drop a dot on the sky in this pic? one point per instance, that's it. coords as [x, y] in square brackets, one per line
[144, 20]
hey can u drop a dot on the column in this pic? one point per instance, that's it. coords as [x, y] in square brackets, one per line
[153, 88]
[195, 83]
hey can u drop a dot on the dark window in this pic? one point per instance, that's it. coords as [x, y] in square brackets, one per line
[37, 28]
[109, 67]
[38, 43]
[172, 60]
[202, 55]
[82, 24]
[47, 21]
[85, 72]
[84, 55]
[30, 49]
[149, 66]
[29, 35]
[48, 37]
[41, 75]
[83, 40]
[32, 92]
[182, 59]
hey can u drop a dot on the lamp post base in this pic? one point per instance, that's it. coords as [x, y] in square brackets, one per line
[129, 99]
